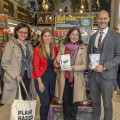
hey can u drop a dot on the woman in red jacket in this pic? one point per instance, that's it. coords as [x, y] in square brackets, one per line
[43, 71]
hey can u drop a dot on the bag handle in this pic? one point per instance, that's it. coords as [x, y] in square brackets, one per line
[19, 92]
[20, 96]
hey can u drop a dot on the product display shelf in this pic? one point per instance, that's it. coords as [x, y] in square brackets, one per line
[4, 29]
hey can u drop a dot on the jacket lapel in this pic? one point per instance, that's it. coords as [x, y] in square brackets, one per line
[92, 42]
[106, 41]
[80, 49]
[30, 50]
[17, 51]
[107, 37]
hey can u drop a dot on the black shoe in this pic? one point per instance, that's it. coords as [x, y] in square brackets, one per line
[66, 118]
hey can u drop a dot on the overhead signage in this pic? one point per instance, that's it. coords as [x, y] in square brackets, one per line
[8, 8]
[65, 23]
[44, 18]
[23, 14]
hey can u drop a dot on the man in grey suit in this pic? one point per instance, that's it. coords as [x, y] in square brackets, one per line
[105, 42]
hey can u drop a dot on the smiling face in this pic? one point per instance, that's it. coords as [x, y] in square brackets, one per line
[103, 20]
[47, 38]
[74, 37]
[22, 33]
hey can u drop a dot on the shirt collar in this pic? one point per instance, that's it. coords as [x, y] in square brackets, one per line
[20, 42]
[104, 31]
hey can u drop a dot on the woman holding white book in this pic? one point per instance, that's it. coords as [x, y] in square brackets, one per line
[71, 84]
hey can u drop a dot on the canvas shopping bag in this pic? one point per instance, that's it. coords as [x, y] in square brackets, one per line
[23, 109]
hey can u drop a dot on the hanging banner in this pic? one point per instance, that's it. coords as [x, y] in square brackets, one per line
[23, 14]
[85, 24]
[8, 8]
[44, 18]
[65, 23]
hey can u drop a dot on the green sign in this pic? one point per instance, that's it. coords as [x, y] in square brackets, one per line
[65, 23]
[85, 22]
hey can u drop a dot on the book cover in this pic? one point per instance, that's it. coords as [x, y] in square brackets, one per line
[94, 59]
[65, 62]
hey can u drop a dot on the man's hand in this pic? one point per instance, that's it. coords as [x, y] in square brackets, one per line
[99, 68]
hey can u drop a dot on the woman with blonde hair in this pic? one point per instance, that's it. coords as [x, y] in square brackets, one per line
[43, 71]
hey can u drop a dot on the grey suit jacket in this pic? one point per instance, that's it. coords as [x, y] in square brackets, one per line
[110, 54]
[0, 58]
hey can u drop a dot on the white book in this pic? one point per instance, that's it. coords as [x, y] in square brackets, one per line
[65, 62]
[94, 59]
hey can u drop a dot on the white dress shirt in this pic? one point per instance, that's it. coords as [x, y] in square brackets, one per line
[98, 35]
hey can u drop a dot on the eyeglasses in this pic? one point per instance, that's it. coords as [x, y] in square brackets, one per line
[74, 34]
[25, 33]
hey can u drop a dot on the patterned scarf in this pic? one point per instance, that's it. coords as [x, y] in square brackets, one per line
[72, 50]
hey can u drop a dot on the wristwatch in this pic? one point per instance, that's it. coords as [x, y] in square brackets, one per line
[104, 67]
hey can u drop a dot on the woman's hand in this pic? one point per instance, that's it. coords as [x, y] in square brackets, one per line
[55, 70]
[58, 59]
[90, 66]
[71, 68]
[19, 78]
[41, 86]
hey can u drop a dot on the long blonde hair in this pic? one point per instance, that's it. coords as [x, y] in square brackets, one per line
[43, 51]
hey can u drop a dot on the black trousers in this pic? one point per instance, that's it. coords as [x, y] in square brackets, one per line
[26, 81]
[70, 109]
[45, 99]
[0, 83]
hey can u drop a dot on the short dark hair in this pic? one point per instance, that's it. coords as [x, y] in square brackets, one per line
[67, 39]
[22, 25]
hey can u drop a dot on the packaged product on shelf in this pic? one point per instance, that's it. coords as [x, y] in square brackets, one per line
[0, 21]
[6, 21]
[1, 36]
[4, 30]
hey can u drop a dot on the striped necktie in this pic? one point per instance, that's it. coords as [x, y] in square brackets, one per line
[100, 38]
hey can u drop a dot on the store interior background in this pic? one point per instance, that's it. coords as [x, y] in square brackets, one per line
[31, 12]
[44, 7]
[47, 6]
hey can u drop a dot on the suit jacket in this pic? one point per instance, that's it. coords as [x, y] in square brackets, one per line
[110, 55]
[39, 63]
[0, 58]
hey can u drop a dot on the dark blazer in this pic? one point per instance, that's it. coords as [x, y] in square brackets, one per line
[0, 58]
[110, 54]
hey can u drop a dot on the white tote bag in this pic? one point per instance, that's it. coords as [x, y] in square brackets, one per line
[23, 109]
